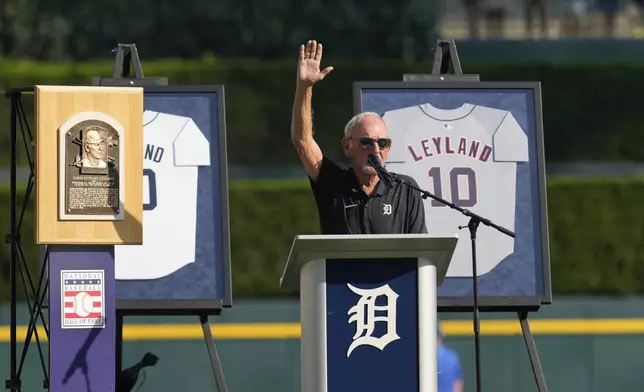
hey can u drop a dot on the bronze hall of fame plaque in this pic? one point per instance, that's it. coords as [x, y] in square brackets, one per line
[91, 160]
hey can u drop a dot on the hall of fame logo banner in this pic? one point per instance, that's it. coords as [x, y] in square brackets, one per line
[82, 297]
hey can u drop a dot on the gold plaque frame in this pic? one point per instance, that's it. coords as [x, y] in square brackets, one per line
[64, 164]
[58, 109]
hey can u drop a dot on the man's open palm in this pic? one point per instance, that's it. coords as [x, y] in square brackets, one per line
[308, 69]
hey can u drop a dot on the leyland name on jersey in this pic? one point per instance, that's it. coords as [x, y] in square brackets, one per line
[173, 149]
[468, 156]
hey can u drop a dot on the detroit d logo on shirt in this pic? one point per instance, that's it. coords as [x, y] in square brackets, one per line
[386, 209]
[82, 299]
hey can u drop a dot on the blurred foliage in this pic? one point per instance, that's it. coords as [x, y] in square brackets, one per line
[596, 229]
[81, 30]
[591, 112]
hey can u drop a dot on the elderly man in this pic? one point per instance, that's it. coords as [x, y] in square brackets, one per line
[353, 200]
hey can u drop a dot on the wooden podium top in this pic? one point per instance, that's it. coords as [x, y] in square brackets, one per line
[305, 248]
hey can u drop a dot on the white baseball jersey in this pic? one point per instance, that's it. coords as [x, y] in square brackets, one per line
[467, 156]
[173, 148]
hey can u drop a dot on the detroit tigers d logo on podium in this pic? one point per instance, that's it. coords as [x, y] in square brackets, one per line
[364, 315]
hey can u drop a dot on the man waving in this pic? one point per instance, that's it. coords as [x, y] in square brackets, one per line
[351, 200]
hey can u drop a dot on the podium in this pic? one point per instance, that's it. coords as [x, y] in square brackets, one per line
[368, 308]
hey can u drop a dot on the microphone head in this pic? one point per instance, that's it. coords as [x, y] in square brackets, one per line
[374, 159]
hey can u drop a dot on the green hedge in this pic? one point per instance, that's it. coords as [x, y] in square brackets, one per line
[591, 111]
[596, 231]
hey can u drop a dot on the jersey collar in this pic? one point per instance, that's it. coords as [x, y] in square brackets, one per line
[149, 116]
[446, 114]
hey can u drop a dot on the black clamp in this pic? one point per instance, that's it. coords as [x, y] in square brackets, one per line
[12, 238]
[13, 384]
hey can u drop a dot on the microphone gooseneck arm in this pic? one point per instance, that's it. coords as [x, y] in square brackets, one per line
[384, 175]
[463, 211]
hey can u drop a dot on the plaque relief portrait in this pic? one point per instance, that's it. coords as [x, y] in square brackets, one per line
[92, 160]
[95, 142]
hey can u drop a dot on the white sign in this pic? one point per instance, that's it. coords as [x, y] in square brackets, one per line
[82, 298]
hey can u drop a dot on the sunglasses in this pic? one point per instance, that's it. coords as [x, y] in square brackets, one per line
[367, 142]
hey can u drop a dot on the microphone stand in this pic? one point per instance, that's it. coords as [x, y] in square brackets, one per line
[473, 225]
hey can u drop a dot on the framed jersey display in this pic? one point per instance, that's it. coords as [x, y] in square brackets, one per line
[183, 264]
[478, 145]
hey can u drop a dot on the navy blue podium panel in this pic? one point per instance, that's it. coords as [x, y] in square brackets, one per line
[82, 318]
[372, 325]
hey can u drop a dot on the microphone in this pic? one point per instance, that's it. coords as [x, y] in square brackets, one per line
[383, 174]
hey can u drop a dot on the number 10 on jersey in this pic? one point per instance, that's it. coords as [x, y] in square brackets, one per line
[152, 190]
[456, 184]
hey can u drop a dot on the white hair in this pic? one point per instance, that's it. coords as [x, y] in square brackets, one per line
[355, 120]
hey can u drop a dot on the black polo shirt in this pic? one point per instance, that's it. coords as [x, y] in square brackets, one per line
[344, 208]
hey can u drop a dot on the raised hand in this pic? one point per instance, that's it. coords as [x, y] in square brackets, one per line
[308, 66]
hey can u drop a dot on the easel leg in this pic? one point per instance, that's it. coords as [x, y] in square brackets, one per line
[532, 352]
[213, 354]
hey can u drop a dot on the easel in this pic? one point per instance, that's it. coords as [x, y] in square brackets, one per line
[447, 68]
[127, 58]
[18, 267]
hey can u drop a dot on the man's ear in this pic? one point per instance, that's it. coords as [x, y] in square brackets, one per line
[345, 146]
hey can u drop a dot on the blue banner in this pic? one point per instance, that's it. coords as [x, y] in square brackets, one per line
[372, 325]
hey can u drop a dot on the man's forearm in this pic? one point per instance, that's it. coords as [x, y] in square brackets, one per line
[302, 133]
[301, 122]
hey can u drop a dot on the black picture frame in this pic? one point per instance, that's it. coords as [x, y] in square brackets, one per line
[208, 306]
[501, 302]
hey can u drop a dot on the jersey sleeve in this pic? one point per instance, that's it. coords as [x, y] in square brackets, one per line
[191, 148]
[510, 141]
[396, 123]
